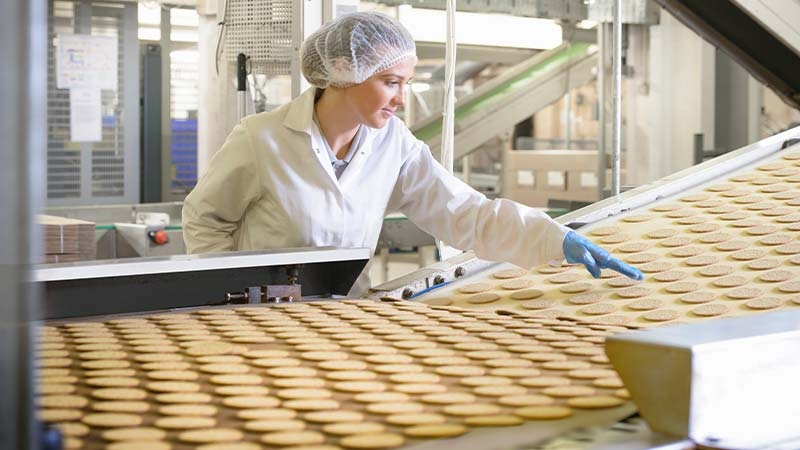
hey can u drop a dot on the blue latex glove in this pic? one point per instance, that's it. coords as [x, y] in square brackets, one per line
[578, 249]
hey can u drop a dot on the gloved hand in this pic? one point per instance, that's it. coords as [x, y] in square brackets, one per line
[578, 249]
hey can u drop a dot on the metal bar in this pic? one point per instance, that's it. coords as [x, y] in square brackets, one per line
[194, 263]
[166, 103]
[24, 110]
[83, 25]
[131, 141]
[602, 80]
[616, 132]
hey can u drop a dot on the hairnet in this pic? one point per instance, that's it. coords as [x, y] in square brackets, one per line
[352, 48]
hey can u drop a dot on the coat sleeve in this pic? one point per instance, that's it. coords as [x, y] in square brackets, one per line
[213, 211]
[452, 211]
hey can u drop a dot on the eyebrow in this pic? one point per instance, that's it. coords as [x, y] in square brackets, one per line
[395, 75]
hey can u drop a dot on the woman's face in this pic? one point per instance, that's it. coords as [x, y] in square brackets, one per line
[375, 100]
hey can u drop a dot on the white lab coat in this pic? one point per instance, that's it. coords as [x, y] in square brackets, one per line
[271, 185]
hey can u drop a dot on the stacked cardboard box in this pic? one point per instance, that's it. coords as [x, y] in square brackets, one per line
[67, 240]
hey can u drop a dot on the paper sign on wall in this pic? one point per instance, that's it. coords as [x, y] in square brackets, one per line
[85, 121]
[85, 61]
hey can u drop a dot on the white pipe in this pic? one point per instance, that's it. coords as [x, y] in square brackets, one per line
[448, 110]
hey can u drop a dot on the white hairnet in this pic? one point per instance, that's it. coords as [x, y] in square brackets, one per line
[352, 48]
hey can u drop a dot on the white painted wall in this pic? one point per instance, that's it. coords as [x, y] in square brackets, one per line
[669, 99]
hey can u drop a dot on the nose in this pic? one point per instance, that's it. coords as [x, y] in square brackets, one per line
[400, 99]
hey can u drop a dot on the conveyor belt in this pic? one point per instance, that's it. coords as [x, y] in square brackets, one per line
[727, 247]
[512, 97]
[386, 374]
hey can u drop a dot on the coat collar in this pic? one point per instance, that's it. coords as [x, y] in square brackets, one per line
[299, 116]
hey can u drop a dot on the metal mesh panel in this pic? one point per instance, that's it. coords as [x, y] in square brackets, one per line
[63, 157]
[68, 181]
[262, 30]
[108, 157]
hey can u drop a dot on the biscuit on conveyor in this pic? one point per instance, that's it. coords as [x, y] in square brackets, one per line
[358, 428]
[670, 276]
[119, 394]
[211, 435]
[655, 267]
[714, 238]
[645, 304]
[270, 425]
[272, 414]
[372, 441]
[517, 284]
[563, 278]
[395, 408]
[682, 287]
[788, 249]
[482, 298]
[594, 402]
[790, 287]
[605, 231]
[444, 430]
[701, 260]
[710, 310]
[72, 429]
[289, 438]
[565, 365]
[615, 238]
[112, 420]
[764, 264]
[660, 315]
[574, 288]
[697, 297]
[776, 239]
[58, 415]
[774, 276]
[475, 288]
[612, 382]
[499, 391]
[547, 269]
[527, 294]
[410, 419]
[546, 412]
[139, 434]
[731, 246]
[764, 303]
[686, 251]
[730, 281]
[448, 398]
[510, 273]
[185, 422]
[716, 270]
[122, 406]
[598, 309]
[250, 401]
[439, 301]
[311, 405]
[137, 445]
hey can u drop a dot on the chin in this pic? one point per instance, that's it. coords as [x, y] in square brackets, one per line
[378, 122]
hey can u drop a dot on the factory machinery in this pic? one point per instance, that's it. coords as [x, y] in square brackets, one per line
[264, 350]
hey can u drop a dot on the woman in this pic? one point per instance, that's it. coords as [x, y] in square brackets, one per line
[324, 169]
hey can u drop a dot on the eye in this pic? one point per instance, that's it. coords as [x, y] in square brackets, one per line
[392, 83]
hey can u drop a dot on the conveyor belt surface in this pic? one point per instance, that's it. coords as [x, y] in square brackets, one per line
[352, 374]
[728, 247]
